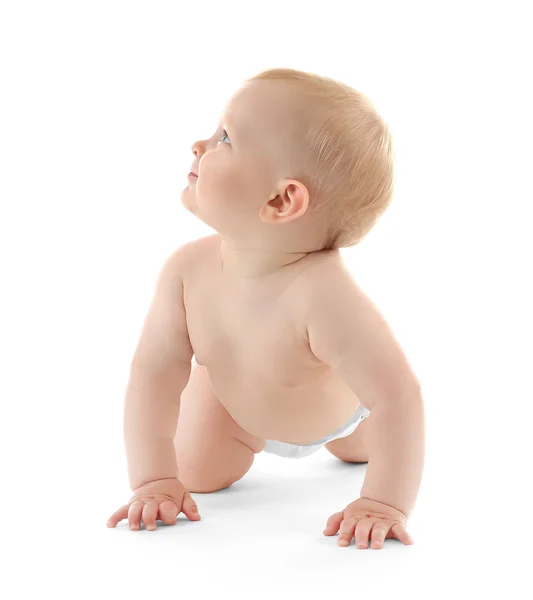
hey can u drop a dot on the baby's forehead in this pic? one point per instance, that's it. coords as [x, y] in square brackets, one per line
[258, 106]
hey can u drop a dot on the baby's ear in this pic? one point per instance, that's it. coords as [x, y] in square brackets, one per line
[288, 202]
[295, 197]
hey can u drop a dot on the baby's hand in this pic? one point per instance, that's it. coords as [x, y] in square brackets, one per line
[160, 500]
[368, 519]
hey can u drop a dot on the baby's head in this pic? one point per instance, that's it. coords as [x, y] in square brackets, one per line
[299, 161]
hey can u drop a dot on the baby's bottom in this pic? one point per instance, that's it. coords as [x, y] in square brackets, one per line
[212, 450]
[287, 450]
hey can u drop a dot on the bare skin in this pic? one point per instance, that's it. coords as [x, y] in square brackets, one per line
[254, 378]
[246, 303]
[250, 338]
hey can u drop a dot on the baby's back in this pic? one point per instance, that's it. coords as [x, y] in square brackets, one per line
[251, 337]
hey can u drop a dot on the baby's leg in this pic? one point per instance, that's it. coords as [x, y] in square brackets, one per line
[212, 450]
[352, 448]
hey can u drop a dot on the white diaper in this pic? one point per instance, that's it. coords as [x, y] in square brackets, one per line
[287, 450]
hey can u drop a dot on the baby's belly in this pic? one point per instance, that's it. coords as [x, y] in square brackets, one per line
[300, 413]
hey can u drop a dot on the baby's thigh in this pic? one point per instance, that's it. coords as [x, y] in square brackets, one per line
[212, 450]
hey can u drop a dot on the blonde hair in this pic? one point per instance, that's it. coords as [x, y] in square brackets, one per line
[341, 149]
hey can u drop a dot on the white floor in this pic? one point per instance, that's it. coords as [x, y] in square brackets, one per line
[262, 538]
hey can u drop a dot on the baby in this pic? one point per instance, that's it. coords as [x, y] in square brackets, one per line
[290, 354]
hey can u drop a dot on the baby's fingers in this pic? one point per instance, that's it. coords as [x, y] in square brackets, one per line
[333, 523]
[117, 516]
[168, 512]
[134, 514]
[149, 514]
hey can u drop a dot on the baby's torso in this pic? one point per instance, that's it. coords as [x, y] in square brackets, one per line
[252, 341]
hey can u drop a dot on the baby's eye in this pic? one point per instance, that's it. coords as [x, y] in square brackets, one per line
[225, 135]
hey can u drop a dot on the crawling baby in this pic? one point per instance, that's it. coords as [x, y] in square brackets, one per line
[290, 354]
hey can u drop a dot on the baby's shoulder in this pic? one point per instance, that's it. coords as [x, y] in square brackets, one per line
[324, 270]
[202, 244]
[188, 259]
[197, 251]
[329, 284]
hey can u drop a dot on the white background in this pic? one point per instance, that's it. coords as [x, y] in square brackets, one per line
[100, 104]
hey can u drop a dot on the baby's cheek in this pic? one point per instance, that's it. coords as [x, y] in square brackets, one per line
[214, 171]
[230, 186]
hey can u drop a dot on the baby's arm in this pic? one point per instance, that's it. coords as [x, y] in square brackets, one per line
[159, 373]
[347, 331]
